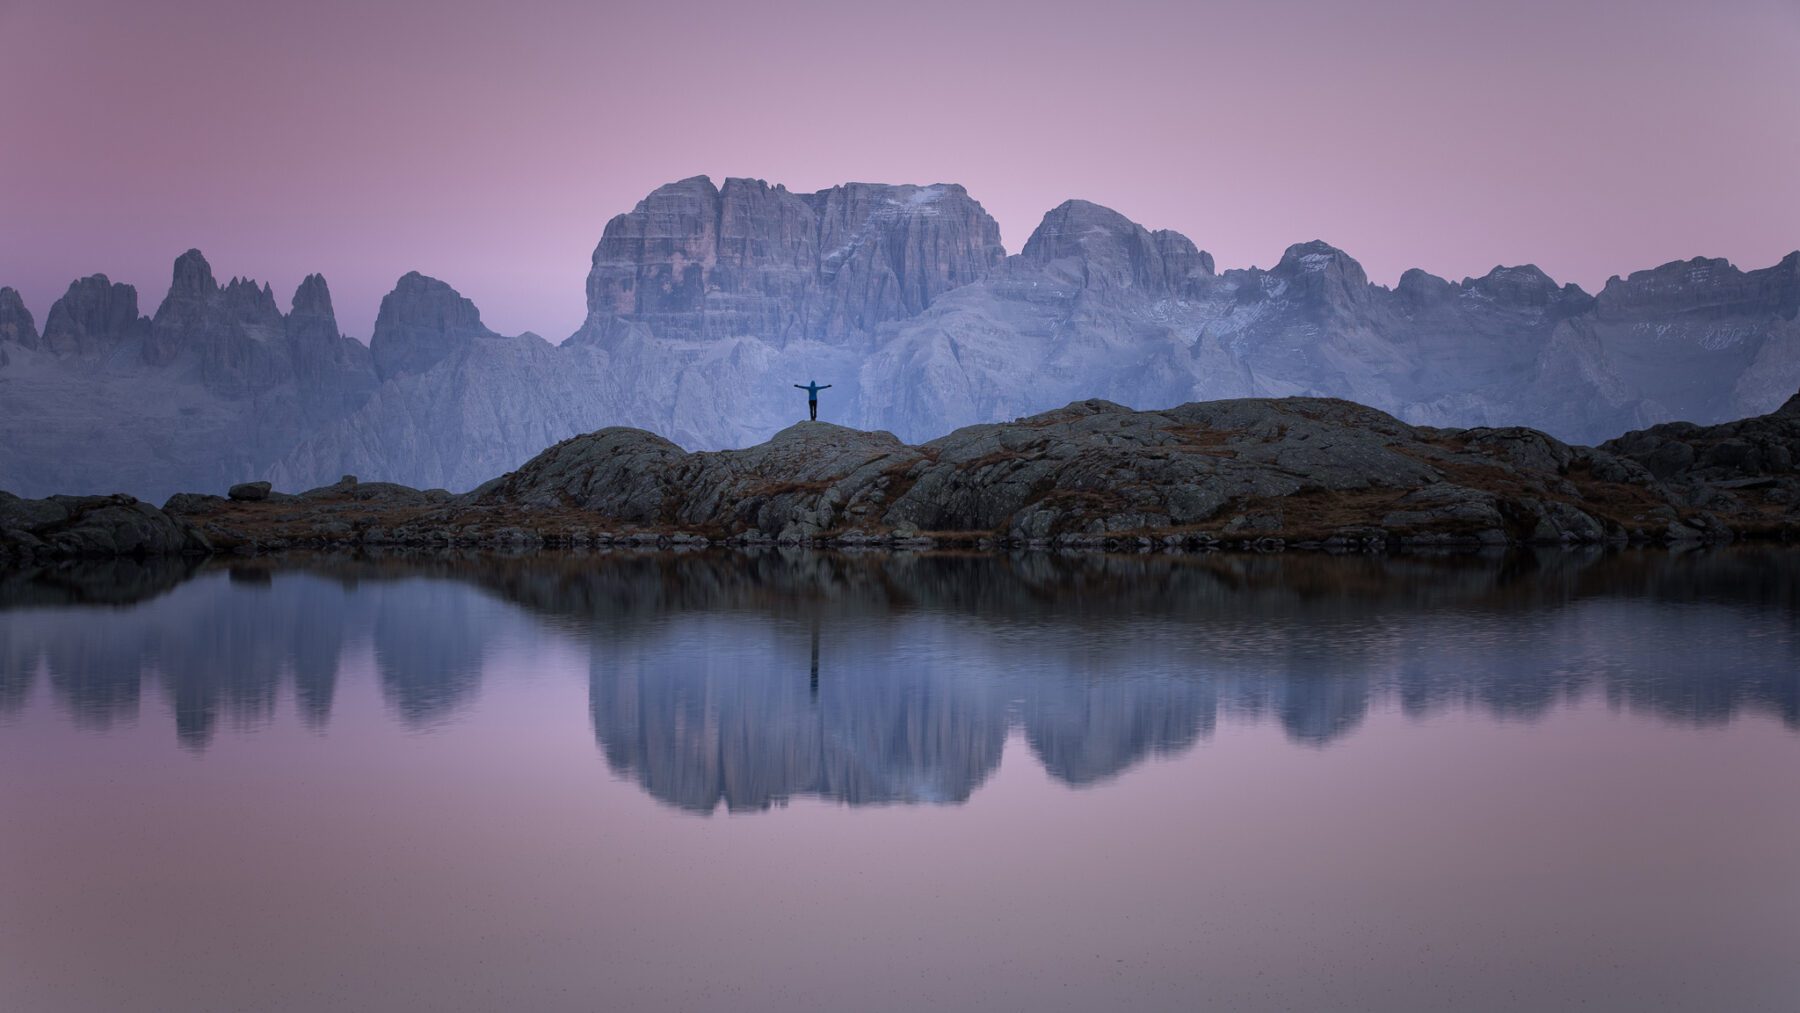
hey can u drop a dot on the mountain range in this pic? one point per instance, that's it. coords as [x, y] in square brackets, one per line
[705, 303]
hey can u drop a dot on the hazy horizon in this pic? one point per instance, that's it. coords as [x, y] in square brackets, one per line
[489, 149]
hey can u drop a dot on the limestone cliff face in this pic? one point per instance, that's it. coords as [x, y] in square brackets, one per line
[1704, 288]
[477, 410]
[694, 262]
[698, 262]
[455, 403]
[211, 391]
[1084, 311]
[233, 335]
[422, 323]
[886, 252]
[1695, 340]
[16, 325]
[339, 369]
[1110, 251]
[94, 317]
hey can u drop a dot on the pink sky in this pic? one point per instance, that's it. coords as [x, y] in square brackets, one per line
[488, 144]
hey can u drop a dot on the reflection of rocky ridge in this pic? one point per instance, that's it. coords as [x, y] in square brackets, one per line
[221, 649]
[429, 645]
[699, 723]
[699, 683]
[215, 652]
[701, 670]
[1087, 731]
[120, 581]
[1103, 665]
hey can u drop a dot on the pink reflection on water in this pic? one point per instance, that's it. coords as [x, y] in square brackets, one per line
[1593, 855]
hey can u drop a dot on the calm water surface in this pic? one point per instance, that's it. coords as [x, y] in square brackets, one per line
[809, 781]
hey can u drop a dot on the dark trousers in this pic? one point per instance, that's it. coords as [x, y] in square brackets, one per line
[812, 408]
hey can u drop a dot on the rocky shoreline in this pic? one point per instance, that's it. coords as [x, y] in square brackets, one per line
[1251, 474]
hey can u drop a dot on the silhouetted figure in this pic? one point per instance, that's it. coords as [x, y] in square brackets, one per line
[812, 390]
[815, 657]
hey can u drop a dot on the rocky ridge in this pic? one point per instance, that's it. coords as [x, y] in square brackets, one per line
[1265, 474]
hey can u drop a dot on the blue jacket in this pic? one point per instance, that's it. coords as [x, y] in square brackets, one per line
[812, 389]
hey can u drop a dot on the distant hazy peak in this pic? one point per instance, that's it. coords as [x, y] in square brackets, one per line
[1710, 284]
[193, 276]
[1526, 286]
[1116, 252]
[421, 322]
[313, 297]
[1318, 256]
[16, 324]
[93, 316]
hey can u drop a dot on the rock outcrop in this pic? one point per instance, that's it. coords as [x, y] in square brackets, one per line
[64, 527]
[1297, 469]
[1743, 469]
[1305, 473]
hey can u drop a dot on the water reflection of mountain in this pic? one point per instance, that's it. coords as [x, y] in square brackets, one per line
[747, 681]
[220, 647]
[928, 663]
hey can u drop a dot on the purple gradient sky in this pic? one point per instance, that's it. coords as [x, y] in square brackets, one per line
[488, 144]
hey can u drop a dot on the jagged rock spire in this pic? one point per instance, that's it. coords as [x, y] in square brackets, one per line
[16, 325]
[92, 317]
[421, 322]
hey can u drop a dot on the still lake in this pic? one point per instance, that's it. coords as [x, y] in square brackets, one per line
[814, 781]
